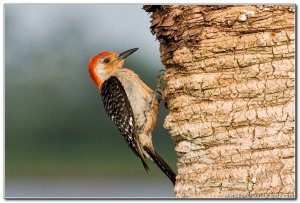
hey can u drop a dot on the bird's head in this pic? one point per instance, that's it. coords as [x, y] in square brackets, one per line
[104, 64]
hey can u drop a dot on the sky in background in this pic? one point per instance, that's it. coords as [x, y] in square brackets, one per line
[58, 140]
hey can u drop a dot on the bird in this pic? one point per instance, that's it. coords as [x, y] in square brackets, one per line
[130, 104]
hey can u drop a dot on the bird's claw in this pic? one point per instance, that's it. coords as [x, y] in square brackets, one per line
[160, 85]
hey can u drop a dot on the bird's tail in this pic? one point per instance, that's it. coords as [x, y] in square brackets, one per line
[145, 164]
[164, 167]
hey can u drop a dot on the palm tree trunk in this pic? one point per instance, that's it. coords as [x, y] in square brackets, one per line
[230, 92]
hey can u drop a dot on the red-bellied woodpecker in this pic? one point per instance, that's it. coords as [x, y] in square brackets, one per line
[130, 104]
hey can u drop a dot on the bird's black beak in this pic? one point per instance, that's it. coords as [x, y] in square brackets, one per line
[125, 54]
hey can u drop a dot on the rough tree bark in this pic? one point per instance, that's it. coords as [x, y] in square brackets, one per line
[230, 92]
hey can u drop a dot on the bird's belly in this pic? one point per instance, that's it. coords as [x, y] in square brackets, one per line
[139, 104]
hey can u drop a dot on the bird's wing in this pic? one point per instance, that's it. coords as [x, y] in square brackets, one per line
[118, 108]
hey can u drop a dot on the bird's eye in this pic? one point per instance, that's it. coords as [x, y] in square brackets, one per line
[106, 60]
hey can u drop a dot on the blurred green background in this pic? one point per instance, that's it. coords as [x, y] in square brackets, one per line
[58, 140]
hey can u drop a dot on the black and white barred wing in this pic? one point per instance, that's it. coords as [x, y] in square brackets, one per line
[118, 108]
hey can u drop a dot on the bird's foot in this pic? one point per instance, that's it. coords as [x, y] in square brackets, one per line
[160, 85]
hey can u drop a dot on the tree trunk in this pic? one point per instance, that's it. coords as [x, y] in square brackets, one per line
[230, 93]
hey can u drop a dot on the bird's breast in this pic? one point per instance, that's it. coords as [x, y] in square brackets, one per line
[139, 97]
